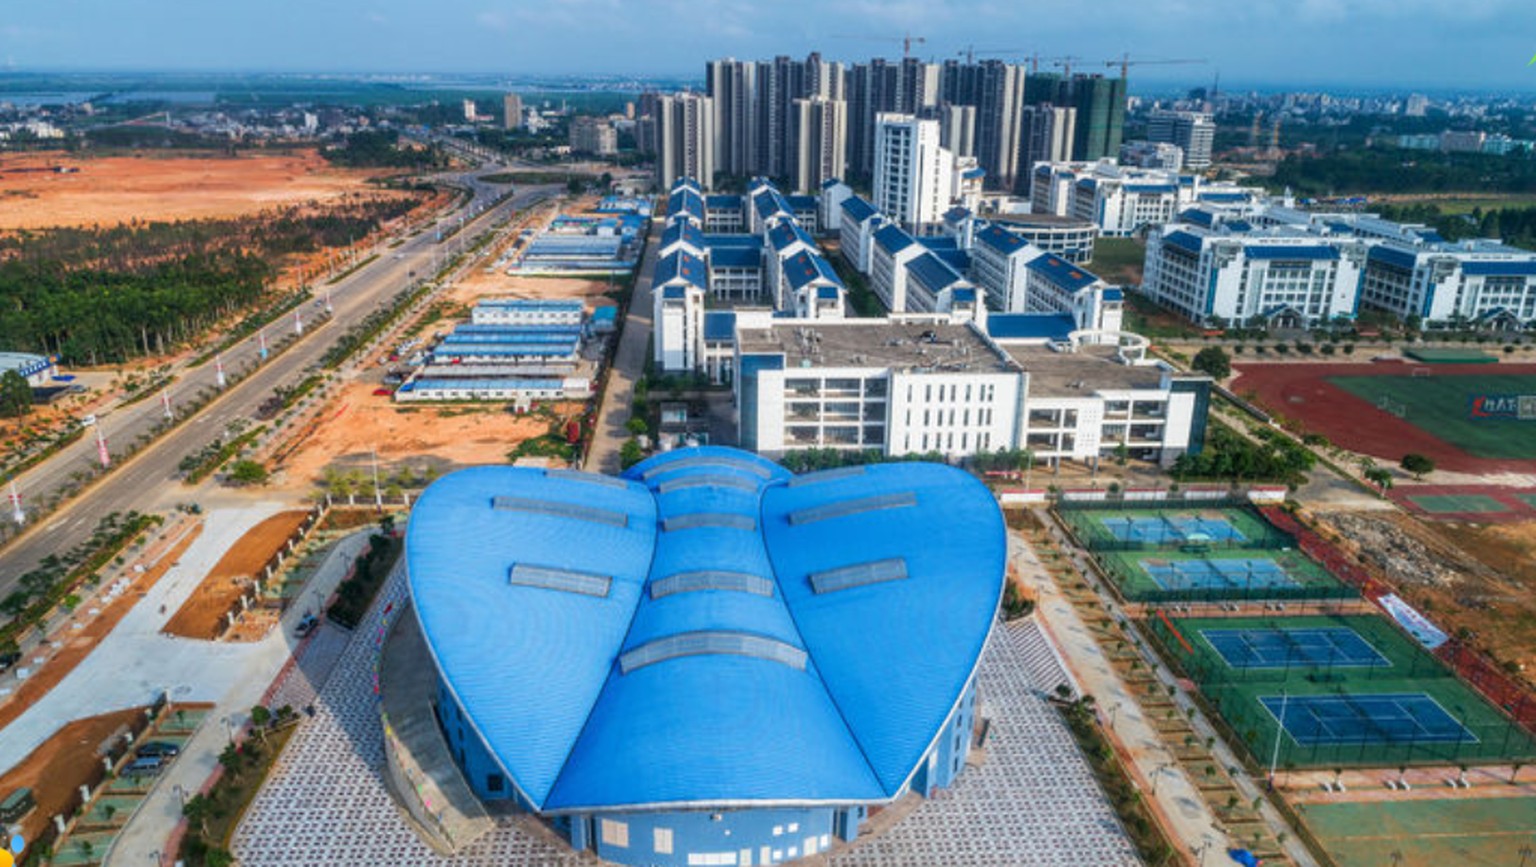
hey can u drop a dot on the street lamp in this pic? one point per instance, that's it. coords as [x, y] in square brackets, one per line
[180, 793]
[229, 728]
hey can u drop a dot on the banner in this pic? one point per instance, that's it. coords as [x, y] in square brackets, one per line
[1428, 634]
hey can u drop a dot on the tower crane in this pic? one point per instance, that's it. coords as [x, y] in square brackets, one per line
[907, 41]
[1125, 63]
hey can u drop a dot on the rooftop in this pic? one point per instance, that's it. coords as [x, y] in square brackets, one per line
[1049, 220]
[1090, 370]
[705, 629]
[875, 343]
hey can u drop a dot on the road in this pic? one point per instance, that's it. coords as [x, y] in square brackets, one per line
[609, 433]
[148, 480]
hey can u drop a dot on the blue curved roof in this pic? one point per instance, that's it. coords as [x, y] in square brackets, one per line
[708, 628]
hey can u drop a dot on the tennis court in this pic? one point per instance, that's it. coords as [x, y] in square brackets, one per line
[1172, 575]
[1445, 504]
[1393, 718]
[1352, 690]
[1171, 529]
[1284, 647]
[1469, 832]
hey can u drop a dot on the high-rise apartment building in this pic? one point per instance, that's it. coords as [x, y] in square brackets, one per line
[957, 129]
[511, 111]
[593, 135]
[996, 89]
[1045, 136]
[732, 84]
[1193, 131]
[1100, 104]
[684, 144]
[913, 173]
[819, 134]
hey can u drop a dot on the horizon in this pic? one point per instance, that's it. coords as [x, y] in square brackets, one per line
[1315, 43]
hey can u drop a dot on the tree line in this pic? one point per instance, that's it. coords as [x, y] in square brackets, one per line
[104, 295]
[381, 149]
[1379, 168]
[1516, 226]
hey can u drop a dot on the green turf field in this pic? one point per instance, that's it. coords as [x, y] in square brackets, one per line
[1236, 694]
[1448, 355]
[1088, 524]
[1128, 570]
[1445, 504]
[1469, 832]
[1442, 406]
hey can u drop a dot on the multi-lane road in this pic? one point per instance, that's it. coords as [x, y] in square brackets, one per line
[149, 479]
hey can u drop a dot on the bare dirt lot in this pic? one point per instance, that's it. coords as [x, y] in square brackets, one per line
[359, 420]
[54, 770]
[111, 190]
[199, 616]
[497, 284]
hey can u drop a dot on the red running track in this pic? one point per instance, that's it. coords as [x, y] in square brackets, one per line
[1301, 392]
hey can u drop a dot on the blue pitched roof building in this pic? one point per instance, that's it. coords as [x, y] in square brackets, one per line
[687, 660]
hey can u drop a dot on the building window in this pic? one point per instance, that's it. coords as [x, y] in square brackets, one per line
[793, 827]
[615, 833]
[663, 840]
[494, 782]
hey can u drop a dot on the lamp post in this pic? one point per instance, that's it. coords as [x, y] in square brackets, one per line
[1274, 756]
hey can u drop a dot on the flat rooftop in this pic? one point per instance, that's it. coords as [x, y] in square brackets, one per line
[1082, 373]
[1050, 220]
[876, 343]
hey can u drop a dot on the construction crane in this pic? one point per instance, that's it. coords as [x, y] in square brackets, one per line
[1034, 57]
[1065, 62]
[906, 40]
[1125, 63]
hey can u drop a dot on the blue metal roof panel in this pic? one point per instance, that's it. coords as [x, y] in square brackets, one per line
[893, 239]
[787, 233]
[735, 257]
[1506, 268]
[682, 231]
[931, 274]
[573, 731]
[719, 325]
[805, 267]
[1061, 272]
[959, 260]
[723, 203]
[1316, 252]
[1151, 189]
[1114, 294]
[1001, 240]
[1223, 197]
[1030, 326]
[683, 266]
[858, 209]
[1184, 241]
[800, 203]
[1394, 256]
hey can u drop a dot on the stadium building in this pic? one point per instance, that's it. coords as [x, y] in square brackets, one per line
[707, 660]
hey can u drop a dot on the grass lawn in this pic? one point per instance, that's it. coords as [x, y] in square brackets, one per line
[1118, 260]
[1442, 405]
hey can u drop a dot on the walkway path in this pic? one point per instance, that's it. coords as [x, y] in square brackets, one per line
[151, 825]
[609, 435]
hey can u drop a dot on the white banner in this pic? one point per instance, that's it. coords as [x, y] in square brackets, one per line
[1417, 624]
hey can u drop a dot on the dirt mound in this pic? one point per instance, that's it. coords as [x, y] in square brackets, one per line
[200, 615]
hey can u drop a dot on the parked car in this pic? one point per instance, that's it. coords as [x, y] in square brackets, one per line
[8, 659]
[161, 749]
[306, 625]
[145, 765]
[382, 392]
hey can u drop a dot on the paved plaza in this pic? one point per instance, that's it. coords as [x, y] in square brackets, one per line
[1034, 801]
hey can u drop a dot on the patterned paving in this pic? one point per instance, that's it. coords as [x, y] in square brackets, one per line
[1032, 802]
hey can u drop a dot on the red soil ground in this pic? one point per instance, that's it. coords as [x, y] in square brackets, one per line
[1302, 393]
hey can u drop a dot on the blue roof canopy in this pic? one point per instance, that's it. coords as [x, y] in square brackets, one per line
[1299, 252]
[1030, 326]
[606, 664]
[893, 239]
[1061, 272]
[858, 209]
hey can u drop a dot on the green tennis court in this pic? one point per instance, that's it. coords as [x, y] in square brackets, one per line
[1468, 832]
[1340, 704]
[1447, 407]
[1444, 504]
[1131, 527]
[1526, 498]
[1220, 574]
[1448, 355]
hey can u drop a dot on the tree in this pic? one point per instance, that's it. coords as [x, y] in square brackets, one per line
[198, 809]
[247, 472]
[1381, 477]
[637, 426]
[1214, 360]
[15, 395]
[1418, 464]
[630, 454]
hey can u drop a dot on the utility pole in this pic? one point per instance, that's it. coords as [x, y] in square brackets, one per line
[101, 448]
[165, 403]
[1274, 756]
[378, 495]
[298, 324]
[17, 515]
[218, 371]
[261, 340]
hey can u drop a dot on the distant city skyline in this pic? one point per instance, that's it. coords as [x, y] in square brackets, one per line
[1470, 45]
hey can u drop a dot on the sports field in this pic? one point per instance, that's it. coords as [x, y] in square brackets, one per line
[1150, 528]
[1448, 407]
[1468, 832]
[1347, 690]
[1219, 574]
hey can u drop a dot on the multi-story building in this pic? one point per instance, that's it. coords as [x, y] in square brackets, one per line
[732, 84]
[958, 384]
[1281, 277]
[594, 135]
[913, 172]
[1100, 104]
[1194, 132]
[819, 132]
[996, 89]
[511, 111]
[1068, 237]
[1046, 135]
[1122, 200]
[892, 248]
[685, 145]
[860, 222]
[1018, 277]
[1152, 155]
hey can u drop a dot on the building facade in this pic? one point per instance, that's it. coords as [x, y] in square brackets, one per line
[913, 173]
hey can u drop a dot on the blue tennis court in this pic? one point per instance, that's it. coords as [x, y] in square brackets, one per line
[1165, 529]
[1283, 648]
[1320, 720]
[1222, 574]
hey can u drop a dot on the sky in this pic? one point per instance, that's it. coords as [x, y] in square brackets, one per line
[1465, 44]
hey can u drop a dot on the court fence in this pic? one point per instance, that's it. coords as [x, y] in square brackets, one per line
[1092, 533]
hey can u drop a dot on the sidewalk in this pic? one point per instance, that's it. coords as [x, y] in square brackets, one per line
[144, 836]
[609, 434]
